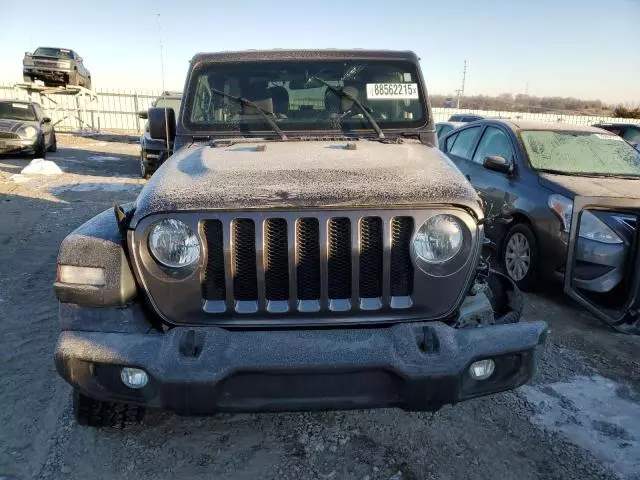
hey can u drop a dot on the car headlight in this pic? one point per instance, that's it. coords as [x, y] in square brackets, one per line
[174, 244]
[591, 227]
[28, 132]
[439, 239]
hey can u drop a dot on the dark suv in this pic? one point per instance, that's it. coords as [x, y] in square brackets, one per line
[56, 66]
[153, 152]
[306, 246]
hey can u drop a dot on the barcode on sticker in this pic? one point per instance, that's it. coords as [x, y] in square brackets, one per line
[392, 91]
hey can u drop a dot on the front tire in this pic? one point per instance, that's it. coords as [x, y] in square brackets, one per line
[27, 78]
[54, 144]
[145, 171]
[90, 412]
[520, 256]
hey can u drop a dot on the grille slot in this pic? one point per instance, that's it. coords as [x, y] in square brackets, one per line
[401, 265]
[213, 287]
[308, 258]
[259, 264]
[339, 258]
[371, 250]
[9, 135]
[276, 259]
[245, 279]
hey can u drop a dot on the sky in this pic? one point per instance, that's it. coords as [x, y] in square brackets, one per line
[580, 48]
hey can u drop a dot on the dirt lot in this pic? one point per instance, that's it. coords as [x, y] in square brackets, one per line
[580, 419]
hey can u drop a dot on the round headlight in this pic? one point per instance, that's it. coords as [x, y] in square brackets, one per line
[173, 243]
[439, 239]
[28, 132]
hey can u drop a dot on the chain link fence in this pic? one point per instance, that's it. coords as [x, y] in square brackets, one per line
[117, 110]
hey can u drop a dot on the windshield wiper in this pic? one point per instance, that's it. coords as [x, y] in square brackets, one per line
[589, 174]
[263, 113]
[354, 99]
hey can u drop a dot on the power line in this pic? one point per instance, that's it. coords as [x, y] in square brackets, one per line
[161, 53]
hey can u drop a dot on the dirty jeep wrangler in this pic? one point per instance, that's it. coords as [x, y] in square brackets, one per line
[306, 246]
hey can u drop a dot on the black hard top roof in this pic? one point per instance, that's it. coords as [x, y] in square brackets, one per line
[283, 55]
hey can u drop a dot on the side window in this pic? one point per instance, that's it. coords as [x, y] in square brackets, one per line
[450, 142]
[464, 142]
[493, 142]
[438, 130]
[632, 135]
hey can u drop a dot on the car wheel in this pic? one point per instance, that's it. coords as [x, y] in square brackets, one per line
[40, 149]
[87, 84]
[97, 413]
[27, 78]
[145, 171]
[54, 144]
[520, 256]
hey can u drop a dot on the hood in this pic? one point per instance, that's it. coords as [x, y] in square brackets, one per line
[12, 126]
[305, 174]
[591, 186]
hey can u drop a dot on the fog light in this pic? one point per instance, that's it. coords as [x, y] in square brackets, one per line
[482, 369]
[134, 377]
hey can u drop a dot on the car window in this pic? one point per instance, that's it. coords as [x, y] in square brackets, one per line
[632, 135]
[493, 142]
[464, 142]
[450, 141]
[443, 130]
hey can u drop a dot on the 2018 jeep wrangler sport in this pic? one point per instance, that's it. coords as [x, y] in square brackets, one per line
[305, 247]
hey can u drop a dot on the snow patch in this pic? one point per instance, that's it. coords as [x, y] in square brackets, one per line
[40, 166]
[19, 178]
[588, 412]
[103, 158]
[91, 187]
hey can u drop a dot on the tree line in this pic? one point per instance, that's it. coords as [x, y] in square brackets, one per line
[530, 103]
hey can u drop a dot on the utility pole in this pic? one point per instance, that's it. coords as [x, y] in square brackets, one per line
[161, 53]
[460, 91]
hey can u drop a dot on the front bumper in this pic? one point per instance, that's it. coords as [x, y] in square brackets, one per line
[415, 366]
[49, 73]
[10, 145]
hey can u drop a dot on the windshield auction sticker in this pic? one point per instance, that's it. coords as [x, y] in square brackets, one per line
[392, 91]
[20, 105]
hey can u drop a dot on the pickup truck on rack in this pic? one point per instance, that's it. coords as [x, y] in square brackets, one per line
[306, 246]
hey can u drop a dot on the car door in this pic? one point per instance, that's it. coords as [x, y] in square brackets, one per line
[460, 147]
[496, 189]
[46, 126]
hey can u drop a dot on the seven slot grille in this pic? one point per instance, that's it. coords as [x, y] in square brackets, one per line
[307, 264]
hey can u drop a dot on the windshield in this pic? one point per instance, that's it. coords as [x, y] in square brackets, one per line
[17, 111]
[580, 153]
[169, 102]
[53, 52]
[306, 95]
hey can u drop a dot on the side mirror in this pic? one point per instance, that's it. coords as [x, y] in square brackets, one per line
[79, 59]
[46, 120]
[27, 54]
[143, 114]
[497, 164]
[162, 123]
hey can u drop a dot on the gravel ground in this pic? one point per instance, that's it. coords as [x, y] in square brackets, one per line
[580, 419]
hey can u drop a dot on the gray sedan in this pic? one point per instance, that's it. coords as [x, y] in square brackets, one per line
[24, 129]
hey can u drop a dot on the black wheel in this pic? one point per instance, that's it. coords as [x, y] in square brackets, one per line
[96, 413]
[40, 150]
[87, 83]
[27, 78]
[145, 171]
[520, 256]
[54, 143]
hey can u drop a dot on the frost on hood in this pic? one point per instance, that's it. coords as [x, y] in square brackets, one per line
[305, 174]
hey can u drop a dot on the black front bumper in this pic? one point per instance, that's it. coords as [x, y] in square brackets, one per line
[415, 366]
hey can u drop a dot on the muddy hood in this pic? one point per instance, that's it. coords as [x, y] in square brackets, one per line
[302, 175]
[591, 186]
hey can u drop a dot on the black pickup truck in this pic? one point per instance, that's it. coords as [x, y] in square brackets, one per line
[305, 247]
